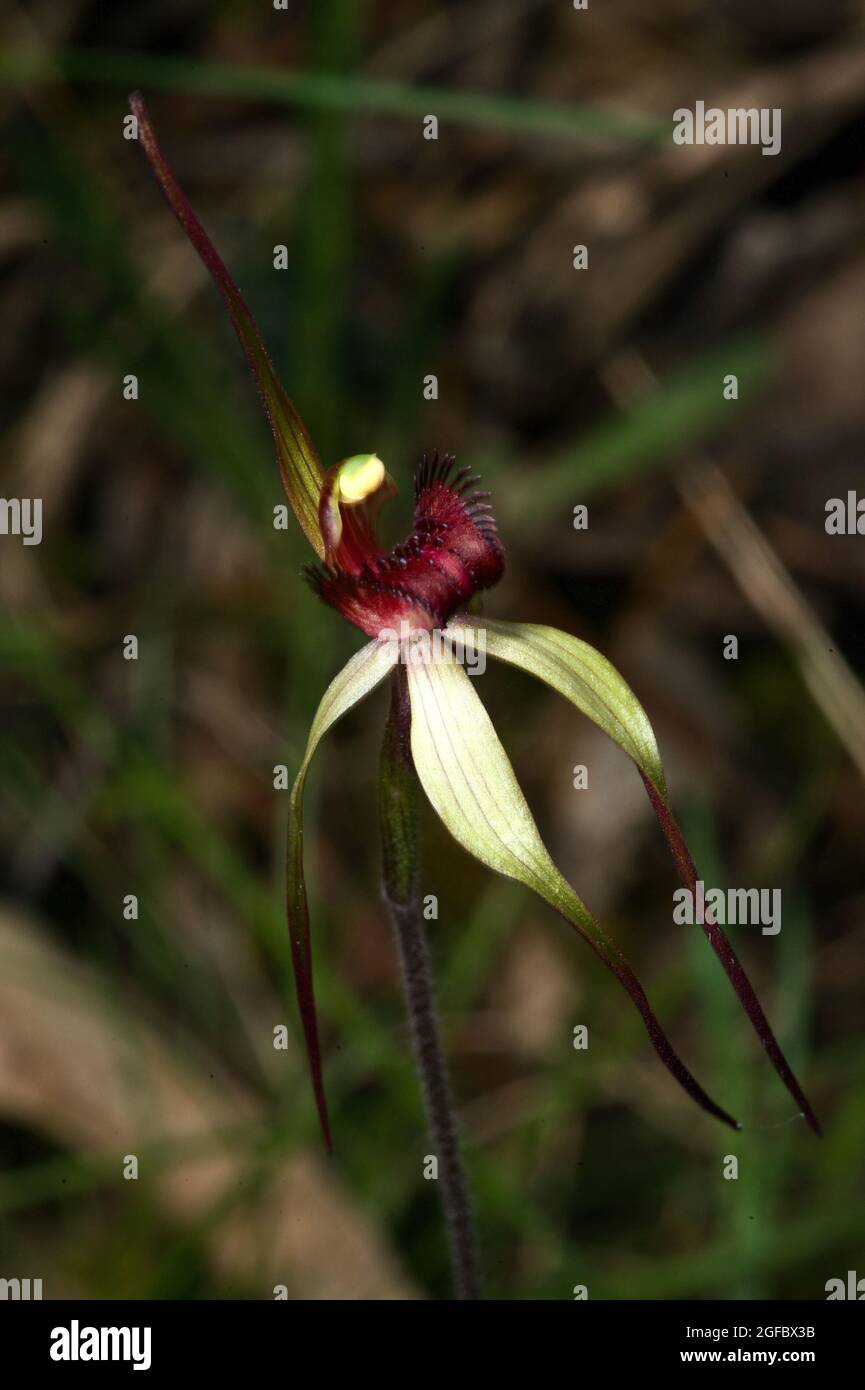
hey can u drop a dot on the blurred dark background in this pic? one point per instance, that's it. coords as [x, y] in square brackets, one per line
[407, 257]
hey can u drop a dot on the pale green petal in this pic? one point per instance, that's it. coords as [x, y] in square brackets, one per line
[469, 780]
[587, 679]
[582, 675]
[466, 774]
[362, 673]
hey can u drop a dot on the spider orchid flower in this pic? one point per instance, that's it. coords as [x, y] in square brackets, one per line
[412, 602]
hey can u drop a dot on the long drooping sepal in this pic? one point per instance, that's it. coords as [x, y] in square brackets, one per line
[467, 777]
[587, 679]
[365, 670]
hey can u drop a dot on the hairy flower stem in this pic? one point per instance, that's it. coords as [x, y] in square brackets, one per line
[398, 814]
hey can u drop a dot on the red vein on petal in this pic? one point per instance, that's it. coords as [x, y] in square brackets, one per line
[727, 956]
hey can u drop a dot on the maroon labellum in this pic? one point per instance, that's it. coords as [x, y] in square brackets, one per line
[452, 551]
